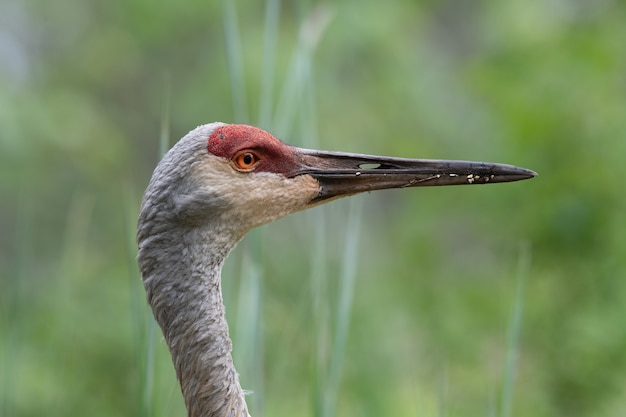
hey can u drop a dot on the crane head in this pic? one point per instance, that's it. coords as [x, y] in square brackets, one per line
[239, 175]
[212, 187]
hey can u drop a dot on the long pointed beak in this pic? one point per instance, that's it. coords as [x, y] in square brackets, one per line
[342, 174]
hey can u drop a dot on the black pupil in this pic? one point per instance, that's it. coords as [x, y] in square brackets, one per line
[247, 159]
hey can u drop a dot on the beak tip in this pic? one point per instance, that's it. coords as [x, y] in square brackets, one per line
[521, 175]
[529, 173]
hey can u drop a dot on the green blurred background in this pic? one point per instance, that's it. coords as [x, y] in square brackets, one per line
[468, 301]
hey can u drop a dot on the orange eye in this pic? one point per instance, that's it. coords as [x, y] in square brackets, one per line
[246, 160]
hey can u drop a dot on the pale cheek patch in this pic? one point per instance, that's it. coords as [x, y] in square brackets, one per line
[265, 197]
[274, 190]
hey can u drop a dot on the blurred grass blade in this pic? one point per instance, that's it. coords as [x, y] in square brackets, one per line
[164, 133]
[234, 56]
[79, 217]
[292, 92]
[248, 350]
[143, 336]
[321, 310]
[12, 304]
[515, 328]
[344, 305]
[270, 36]
[442, 394]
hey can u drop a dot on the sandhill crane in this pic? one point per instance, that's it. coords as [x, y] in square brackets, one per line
[209, 190]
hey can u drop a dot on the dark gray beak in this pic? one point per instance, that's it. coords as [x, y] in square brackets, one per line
[342, 174]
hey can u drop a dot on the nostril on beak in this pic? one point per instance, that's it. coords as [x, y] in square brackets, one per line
[369, 166]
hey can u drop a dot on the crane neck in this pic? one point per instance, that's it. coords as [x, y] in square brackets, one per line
[182, 278]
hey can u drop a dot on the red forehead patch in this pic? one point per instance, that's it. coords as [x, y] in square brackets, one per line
[226, 141]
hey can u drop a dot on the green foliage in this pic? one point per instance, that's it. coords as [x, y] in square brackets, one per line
[438, 325]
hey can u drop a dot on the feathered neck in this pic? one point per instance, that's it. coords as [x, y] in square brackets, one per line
[182, 277]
